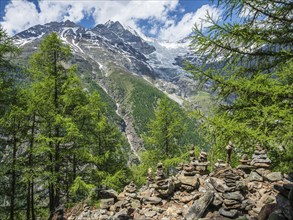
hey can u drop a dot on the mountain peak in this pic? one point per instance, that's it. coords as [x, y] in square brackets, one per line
[114, 25]
[69, 23]
[109, 23]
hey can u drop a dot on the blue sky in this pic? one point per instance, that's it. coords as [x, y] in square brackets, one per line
[168, 20]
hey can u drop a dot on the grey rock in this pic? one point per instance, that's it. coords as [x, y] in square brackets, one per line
[109, 193]
[217, 200]
[198, 208]
[122, 215]
[274, 176]
[228, 213]
[189, 180]
[151, 200]
[244, 167]
[233, 196]
[285, 206]
[150, 214]
[106, 203]
[266, 210]
[218, 184]
[230, 202]
[263, 172]
[276, 216]
[254, 176]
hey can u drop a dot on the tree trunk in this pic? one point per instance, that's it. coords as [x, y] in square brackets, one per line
[30, 189]
[51, 188]
[28, 200]
[13, 180]
[57, 172]
[32, 200]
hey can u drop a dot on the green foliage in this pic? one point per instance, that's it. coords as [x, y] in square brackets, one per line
[150, 159]
[165, 130]
[57, 138]
[80, 189]
[253, 84]
[118, 180]
[8, 90]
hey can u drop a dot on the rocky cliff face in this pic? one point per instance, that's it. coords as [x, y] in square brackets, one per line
[247, 192]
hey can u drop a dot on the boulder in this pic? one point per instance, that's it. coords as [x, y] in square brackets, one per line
[107, 194]
[189, 180]
[266, 211]
[274, 176]
[285, 206]
[218, 184]
[277, 216]
[254, 176]
[199, 207]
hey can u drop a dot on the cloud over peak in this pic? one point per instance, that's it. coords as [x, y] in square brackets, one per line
[156, 14]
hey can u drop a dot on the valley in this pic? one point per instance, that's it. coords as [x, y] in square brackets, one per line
[132, 71]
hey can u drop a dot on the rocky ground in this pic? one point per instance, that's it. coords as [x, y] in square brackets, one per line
[250, 191]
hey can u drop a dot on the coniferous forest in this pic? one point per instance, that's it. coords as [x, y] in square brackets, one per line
[63, 139]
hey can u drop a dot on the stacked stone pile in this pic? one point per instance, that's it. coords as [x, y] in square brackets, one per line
[201, 166]
[164, 187]
[219, 164]
[232, 196]
[260, 158]
[245, 164]
[150, 177]
[249, 192]
[187, 179]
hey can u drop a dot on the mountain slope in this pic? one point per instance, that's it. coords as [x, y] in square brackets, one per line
[129, 72]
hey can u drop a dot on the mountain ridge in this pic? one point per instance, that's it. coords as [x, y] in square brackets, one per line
[118, 60]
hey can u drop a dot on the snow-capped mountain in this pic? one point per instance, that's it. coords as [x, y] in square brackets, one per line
[158, 62]
[124, 64]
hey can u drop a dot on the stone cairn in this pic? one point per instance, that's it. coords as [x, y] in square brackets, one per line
[219, 164]
[188, 180]
[196, 166]
[150, 177]
[189, 169]
[160, 176]
[245, 164]
[232, 193]
[260, 158]
[164, 187]
[232, 197]
[229, 149]
[202, 164]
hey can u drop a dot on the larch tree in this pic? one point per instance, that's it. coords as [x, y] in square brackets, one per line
[165, 130]
[248, 64]
[74, 143]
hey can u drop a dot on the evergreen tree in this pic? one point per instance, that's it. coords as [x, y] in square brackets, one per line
[73, 139]
[249, 65]
[165, 130]
[7, 72]
[10, 126]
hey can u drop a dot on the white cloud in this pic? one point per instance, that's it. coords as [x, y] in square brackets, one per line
[183, 28]
[22, 14]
